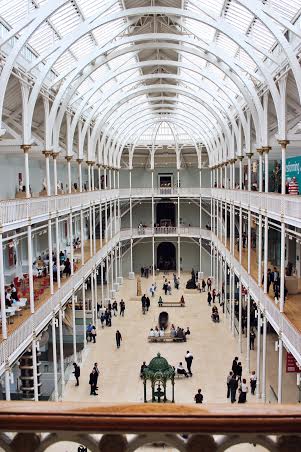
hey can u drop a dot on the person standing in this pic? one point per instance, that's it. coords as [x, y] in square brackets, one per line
[209, 284]
[239, 371]
[243, 390]
[199, 397]
[96, 374]
[92, 382]
[203, 285]
[102, 319]
[228, 383]
[76, 373]
[253, 382]
[209, 298]
[118, 338]
[122, 307]
[115, 308]
[252, 339]
[147, 303]
[188, 359]
[234, 365]
[233, 384]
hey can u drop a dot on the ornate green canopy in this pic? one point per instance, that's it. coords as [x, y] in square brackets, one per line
[159, 368]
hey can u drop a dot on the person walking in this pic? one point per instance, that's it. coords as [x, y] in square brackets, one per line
[243, 390]
[203, 285]
[92, 382]
[228, 381]
[118, 338]
[188, 359]
[209, 284]
[76, 373]
[209, 298]
[253, 382]
[102, 319]
[233, 384]
[199, 397]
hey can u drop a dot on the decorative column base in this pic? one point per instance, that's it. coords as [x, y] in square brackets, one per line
[120, 280]
[131, 275]
[112, 294]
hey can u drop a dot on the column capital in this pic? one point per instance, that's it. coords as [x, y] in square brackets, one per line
[25, 147]
[68, 158]
[47, 153]
[266, 149]
[249, 154]
[55, 154]
[260, 151]
[283, 143]
[240, 157]
[232, 160]
[79, 161]
[99, 165]
[89, 162]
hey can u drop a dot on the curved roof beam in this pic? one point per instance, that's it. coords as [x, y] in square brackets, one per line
[246, 87]
[221, 25]
[143, 129]
[189, 67]
[157, 88]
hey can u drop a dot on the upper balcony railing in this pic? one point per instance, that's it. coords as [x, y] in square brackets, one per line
[16, 213]
[36, 426]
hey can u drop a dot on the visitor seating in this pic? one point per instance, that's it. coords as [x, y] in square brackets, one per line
[175, 304]
[166, 338]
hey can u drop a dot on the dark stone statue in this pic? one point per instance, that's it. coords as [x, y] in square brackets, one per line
[191, 282]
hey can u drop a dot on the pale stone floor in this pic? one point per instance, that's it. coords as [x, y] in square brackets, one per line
[212, 346]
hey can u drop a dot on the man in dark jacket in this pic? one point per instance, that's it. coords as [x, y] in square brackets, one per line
[188, 359]
[97, 374]
[93, 381]
[118, 338]
[76, 373]
[233, 385]
[234, 365]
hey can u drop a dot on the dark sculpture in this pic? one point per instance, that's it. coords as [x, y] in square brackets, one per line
[191, 282]
[163, 320]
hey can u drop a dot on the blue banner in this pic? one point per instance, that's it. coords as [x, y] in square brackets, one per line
[293, 168]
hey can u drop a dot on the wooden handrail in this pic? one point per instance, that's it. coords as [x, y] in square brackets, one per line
[136, 418]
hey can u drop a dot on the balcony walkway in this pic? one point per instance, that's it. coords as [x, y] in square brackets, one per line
[292, 306]
[24, 314]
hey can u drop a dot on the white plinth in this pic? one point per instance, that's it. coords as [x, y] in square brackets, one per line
[120, 280]
[116, 287]
[200, 275]
[112, 294]
[131, 275]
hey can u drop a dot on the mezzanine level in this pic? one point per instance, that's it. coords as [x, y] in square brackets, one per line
[17, 212]
[188, 428]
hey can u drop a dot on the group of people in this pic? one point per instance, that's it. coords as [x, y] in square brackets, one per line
[236, 382]
[179, 332]
[166, 287]
[273, 278]
[203, 285]
[211, 297]
[145, 303]
[180, 370]
[146, 271]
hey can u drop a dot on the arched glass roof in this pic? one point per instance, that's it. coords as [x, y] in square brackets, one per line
[120, 67]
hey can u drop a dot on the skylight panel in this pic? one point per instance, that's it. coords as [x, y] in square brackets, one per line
[65, 20]
[202, 31]
[239, 17]
[227, 44]
[286, 8]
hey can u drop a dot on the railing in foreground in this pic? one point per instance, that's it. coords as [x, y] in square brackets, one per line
[212, 428]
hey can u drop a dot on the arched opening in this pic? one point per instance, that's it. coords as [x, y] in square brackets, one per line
[166, 256]
[166, 214]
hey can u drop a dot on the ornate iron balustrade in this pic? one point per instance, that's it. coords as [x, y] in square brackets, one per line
[186, 428]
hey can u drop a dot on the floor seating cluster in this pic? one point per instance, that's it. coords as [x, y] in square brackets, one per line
[174, 335]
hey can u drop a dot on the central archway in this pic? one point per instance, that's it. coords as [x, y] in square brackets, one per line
[166, 256]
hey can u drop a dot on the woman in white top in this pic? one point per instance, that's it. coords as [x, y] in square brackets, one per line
[161, 333]
[243, 390]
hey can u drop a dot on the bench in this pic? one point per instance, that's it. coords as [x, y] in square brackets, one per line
[175, 304]
[165, 338]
